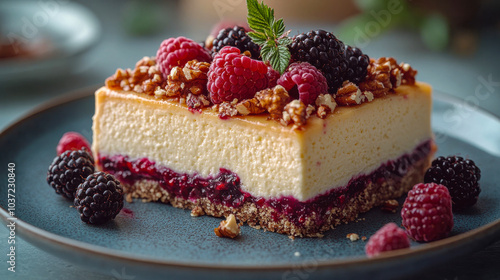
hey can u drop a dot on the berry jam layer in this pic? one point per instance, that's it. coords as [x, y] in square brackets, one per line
[225, 191]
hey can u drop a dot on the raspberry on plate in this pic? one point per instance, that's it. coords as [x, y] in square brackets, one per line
[304, 79]
[233, 75]
[461, 177]
[389, 237]
[72, 141]
[68, 170]
[99, 198]
[177, 52]
[427, 212]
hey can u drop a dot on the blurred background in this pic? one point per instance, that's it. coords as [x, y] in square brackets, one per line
[52, 48]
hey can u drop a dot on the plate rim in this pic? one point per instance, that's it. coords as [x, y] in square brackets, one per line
[491, 230]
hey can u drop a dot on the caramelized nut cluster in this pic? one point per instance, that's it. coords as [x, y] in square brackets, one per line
[145, 78]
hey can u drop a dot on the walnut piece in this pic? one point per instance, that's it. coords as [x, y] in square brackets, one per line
[197, 211]
[272, 100]
[145, 78]
[378, 79]
[353, 236]
[295, 112]
[190, 79]
[326, 104]
[228, 228]
[349, 94]
[390, 205]
[408, 74]
[227, 109]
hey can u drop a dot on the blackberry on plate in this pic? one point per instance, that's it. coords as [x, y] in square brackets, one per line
[99, 198]
[236, 37]
[461, 177]
[357, 64]
[325, 52]
[69, 170]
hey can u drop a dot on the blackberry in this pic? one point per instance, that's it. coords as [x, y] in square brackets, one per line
[99, 198]
[68, 170]
[357, 64]
[460, 176]
[236, 37]
[324, 51]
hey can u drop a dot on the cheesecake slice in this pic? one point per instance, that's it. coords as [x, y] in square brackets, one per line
[299, 182]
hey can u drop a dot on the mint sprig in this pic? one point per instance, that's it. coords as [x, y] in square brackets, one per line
[269, 34]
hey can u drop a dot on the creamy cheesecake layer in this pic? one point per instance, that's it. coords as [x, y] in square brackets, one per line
[271, 160]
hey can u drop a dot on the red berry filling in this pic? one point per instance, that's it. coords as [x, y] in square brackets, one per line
[225, 187]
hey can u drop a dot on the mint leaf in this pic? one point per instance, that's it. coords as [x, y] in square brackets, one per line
[269, 34]
[257, 38]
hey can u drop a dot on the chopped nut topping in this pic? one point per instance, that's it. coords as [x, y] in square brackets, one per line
[227, 110]
[145, 78]
[408, 74]
[390, 205]
[228, 228]
[378, 78]
[349, 94]
[197, 211]
[197, 101]
[273, 100]
[249, 107]
[295, 112]
[326, 104]
[191, 79]
[353, 237]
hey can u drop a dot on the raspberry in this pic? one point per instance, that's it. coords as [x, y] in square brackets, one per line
[460, 176]
[99, 198]
[233, 75]
[357, 65]
[273, 76]
[389, 237]
[304, 81]
[72, 141]
[236, 37]
[177, 52]
[427, 213]
[68, 170]
[325, 52]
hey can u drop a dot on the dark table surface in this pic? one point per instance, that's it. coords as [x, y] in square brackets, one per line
[456, 75]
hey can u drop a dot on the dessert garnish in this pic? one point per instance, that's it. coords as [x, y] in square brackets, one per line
[427, 212]
[72, 141]
[461, 177]
[69, 170]
[228, 228]
[99, 198]
[388, 238]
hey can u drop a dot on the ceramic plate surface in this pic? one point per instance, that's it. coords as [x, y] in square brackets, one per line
[66, 30]
[152, 240]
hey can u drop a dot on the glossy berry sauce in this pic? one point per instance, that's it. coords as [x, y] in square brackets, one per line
[225, 187]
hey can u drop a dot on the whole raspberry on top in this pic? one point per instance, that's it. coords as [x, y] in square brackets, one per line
[72, 141]
[461, 177]
[426, 213]
[304, 81]
[233, 75]
[389, 237]
[177, 52]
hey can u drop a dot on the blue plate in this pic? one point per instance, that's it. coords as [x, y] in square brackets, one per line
[68, 28]
[150, 240]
